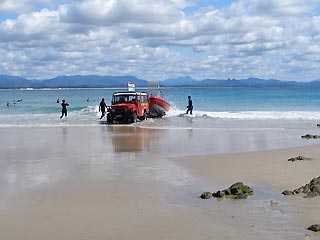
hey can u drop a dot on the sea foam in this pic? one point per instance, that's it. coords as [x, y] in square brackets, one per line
[248, 115]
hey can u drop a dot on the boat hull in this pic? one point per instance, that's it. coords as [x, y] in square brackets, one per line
[158, 106]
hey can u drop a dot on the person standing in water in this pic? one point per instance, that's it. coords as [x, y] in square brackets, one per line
[190, 106]
[102, 108]
[64, 105]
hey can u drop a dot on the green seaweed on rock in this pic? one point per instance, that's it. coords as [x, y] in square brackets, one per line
[236, 191]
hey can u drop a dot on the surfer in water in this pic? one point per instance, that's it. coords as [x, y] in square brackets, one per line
[190, 106]
[64, 105]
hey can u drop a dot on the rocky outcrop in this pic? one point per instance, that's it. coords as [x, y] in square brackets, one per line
[298, 158]
[235, 191]
[206, 195]
[309, 136]
[310, 190]
[314, 228]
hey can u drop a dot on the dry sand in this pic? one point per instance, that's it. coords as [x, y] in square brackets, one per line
[113, 183]
[267, 168]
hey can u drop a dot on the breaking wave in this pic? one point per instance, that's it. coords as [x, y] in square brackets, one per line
[249, 115]
[90, 116]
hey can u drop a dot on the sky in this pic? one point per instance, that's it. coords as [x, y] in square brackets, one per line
[160, 39]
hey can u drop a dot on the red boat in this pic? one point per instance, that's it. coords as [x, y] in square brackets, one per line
[158, 106]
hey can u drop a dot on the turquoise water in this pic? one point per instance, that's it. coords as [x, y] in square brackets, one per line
[39, 107]
[248, 99]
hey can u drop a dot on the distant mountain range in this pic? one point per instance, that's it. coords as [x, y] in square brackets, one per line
[70, 82]
[90, 81]
[249, 82]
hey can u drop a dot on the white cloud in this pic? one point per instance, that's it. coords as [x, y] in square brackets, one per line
[114, 12]
[184, 3]
[157, 39]
[22, 6]
[315, 24]
[284, 7]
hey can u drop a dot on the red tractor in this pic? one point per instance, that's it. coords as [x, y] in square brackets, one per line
[127, 107]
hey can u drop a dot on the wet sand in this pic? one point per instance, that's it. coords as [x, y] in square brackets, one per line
[137, 183]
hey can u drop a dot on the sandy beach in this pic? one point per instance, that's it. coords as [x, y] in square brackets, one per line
[136, 183]
[267, 168]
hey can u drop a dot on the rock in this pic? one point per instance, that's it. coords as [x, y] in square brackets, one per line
[314, 228]
[315, 189]
[311, 195]
[240, 196]
[227, 192]
[298, 158]
[301, 190]
[315, 181]
[206, 195]
[309, 136]
[247, 190]
[296, 191]
[310, 190]
[306, 189]
[236, 191]
[219, 194]
[287, 192]
[237, 185]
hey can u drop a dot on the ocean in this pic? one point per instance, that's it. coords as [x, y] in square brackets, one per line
[213, 107]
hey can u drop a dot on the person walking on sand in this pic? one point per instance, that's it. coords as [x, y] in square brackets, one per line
[102, 108]
[64, 105]
[190, 106]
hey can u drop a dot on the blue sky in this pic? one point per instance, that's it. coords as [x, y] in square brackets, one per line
[160, 39]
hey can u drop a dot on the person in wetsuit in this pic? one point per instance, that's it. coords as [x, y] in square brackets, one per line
[64, 105]
[102, 108]
[190, 106]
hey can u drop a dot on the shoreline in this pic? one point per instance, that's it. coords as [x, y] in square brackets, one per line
[105, 182]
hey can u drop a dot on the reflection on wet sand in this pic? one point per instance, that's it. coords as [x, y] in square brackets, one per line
[37, 160]
[134, 139]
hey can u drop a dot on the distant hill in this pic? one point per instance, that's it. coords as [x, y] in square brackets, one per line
[93, 81]
[14, 82]
[89, 81]
[71, 82]
[249, 82]
[181, 81]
